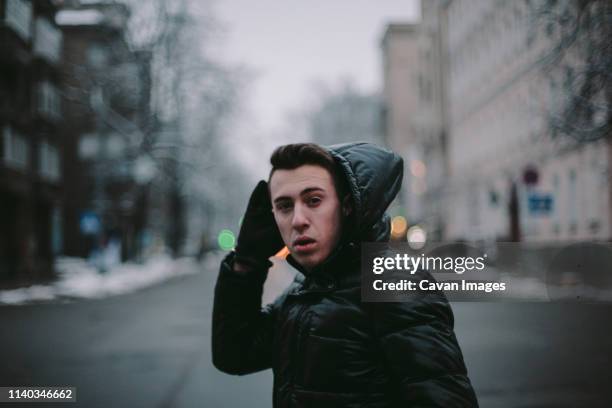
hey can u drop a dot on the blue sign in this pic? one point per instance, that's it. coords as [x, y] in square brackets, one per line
[540, 203]
[90, 223]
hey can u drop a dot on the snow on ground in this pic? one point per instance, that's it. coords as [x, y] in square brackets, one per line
[78, 279]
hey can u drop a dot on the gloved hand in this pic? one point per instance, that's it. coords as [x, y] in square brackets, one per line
[259, 237]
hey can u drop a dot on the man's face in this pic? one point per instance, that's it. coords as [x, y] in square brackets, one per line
[307, 212]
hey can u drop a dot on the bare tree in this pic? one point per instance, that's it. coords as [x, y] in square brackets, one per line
[579, 64]
[194, 97]
[156, 88]
[342, 114]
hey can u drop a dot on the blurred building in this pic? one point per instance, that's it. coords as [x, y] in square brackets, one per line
[400, 101]
[510, 180]
[106, 109]
[30, 153]
[414, 114]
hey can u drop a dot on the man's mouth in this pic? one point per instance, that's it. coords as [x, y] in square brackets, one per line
[304, 244]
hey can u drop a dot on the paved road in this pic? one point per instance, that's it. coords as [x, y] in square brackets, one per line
[152, 349]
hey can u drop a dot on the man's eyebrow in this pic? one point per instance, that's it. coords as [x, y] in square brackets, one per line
[303, 192]
[311, 189]
[281, 198]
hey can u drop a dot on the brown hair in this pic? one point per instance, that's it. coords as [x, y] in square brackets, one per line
[292, 156]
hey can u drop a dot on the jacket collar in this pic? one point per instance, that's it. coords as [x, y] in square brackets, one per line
[341, 269]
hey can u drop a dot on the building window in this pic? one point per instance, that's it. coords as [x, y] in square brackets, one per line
[569, 79]
[48, 159]
[556, 207]
[47, 40]
[572, 198]
[48, 100]
[15, 152]
[424, 89]
[18, 16]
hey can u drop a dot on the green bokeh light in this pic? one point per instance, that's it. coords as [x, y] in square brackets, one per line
[226, 240]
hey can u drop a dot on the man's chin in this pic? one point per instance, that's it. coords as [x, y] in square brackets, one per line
[308, 261]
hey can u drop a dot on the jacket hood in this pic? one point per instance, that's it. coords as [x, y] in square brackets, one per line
[374, 177]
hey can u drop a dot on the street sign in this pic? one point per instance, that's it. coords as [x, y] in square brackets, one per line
[540, 203]
[89, 223]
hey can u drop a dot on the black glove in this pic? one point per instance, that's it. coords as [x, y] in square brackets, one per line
[259, 237]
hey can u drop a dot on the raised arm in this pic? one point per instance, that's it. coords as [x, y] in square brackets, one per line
[242, 331]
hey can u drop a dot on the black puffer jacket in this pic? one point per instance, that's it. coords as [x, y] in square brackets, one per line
[326, 347]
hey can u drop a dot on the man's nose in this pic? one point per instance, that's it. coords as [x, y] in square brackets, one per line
[300, 220]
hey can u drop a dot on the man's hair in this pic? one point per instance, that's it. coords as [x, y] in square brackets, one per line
[292, 156]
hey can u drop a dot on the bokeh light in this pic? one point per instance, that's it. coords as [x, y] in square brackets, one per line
[226, 240]
[398, 226]
[417, 237]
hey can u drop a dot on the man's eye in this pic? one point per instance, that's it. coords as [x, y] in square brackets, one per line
[313, 201]
[284, 207]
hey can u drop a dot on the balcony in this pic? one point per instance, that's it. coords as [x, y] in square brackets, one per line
[18, 17]
[47, 40]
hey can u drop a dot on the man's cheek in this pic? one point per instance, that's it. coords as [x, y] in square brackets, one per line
[285, 234]
[286, 238]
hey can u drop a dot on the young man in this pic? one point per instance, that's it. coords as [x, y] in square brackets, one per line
[325, 346]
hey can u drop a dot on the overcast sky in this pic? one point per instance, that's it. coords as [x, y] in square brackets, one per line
[289, 44]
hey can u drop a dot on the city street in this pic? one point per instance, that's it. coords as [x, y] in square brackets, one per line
[142, 140]
[151, 349]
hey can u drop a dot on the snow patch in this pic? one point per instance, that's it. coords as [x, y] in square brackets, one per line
[78, 279]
